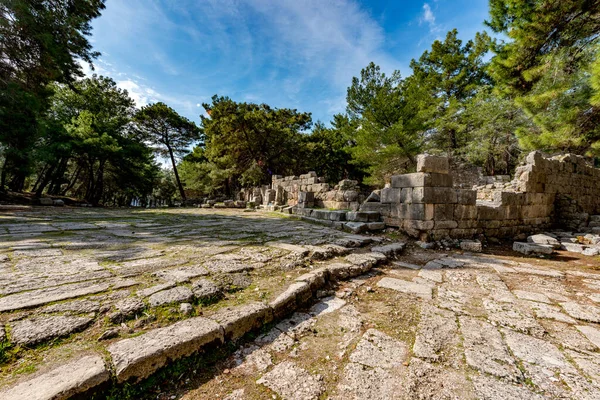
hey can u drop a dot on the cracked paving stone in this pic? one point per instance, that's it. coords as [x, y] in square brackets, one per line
[532, 296]
[39, 253]
[77, 306]
[205, 290]
[48, 295]
[376, 349]
[542, 361]
[399, 285]
[292, 382]
[506, 314]
[178, 294]
[432, 381]
[485, 350]
[326, 305]
[275, 340]
[42, 329]
[488, 388]
[126, 308]
[582, 311]
[360, 382]
[250, 359]
[436, 335]
[183, 274]
[550, 312]
[592, 334]
[432, 275]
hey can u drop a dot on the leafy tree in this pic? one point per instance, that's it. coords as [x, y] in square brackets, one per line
[451, 74]
[40, 42]
[545, 66]
[327, 152]
[491, 125]
[93, 145]
[169, 132]
[387, 130]
[248, 142]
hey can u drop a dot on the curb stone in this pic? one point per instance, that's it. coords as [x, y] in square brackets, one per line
[139, 357]
[63, 382]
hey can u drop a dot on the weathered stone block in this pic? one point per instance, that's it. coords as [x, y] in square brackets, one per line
[390, 195]
[434, 195]
[419, 179]
[466, 196]
[428, 163]
[532, 248]
[445, 224]
[471, 245]
[337, 215]
[295, 295]
[140, 356]
[238, 321]
[418, 225]
[68, 380]
[444, 212]
[363, 216]
[462, 212]
[356, 227]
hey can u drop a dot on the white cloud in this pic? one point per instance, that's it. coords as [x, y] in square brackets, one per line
[142, 95]
[428, 17]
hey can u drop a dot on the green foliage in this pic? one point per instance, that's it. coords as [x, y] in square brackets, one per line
[327, 152]
[247, 143]
[492, 123]
[93, 139]
[40, 42]
[386, 129]
[546, 66]
[450, 75]
[167, 130]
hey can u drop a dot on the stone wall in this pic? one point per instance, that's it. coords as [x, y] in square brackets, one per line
[287, 191]
[561, 190]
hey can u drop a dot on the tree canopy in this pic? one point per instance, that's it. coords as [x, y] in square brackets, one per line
[485, 101]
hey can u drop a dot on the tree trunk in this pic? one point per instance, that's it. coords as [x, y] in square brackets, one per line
[179, 185]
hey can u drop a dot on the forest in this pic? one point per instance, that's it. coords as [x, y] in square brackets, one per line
[531, 82]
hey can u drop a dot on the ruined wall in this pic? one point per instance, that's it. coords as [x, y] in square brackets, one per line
[559, 190]
[287, 191]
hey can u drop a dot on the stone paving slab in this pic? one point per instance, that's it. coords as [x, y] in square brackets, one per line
[68, 380]
[420, 290]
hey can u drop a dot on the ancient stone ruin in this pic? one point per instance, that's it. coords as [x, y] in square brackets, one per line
[433, 204]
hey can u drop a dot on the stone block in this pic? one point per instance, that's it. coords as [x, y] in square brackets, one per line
[428, 163]
[445, 224]
[375, 226]
[406, 196]
[64, 382]
[390, 250]
[390, 195]
[471, 245]
[490, 213]
[418, 225]
[462, 212]
[316, 279]
[337, 215]
[384, 209]
[288, 301]
[434, 195]
[572, 247]
[356, 227]
[141, 356]
[363, 216]
[238, 321]
[466, 196]
[46, 201]
[444, 212]
[544, 239]
[532, 248]
[420, 179]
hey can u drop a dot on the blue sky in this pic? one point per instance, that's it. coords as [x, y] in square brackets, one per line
[288, 53]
